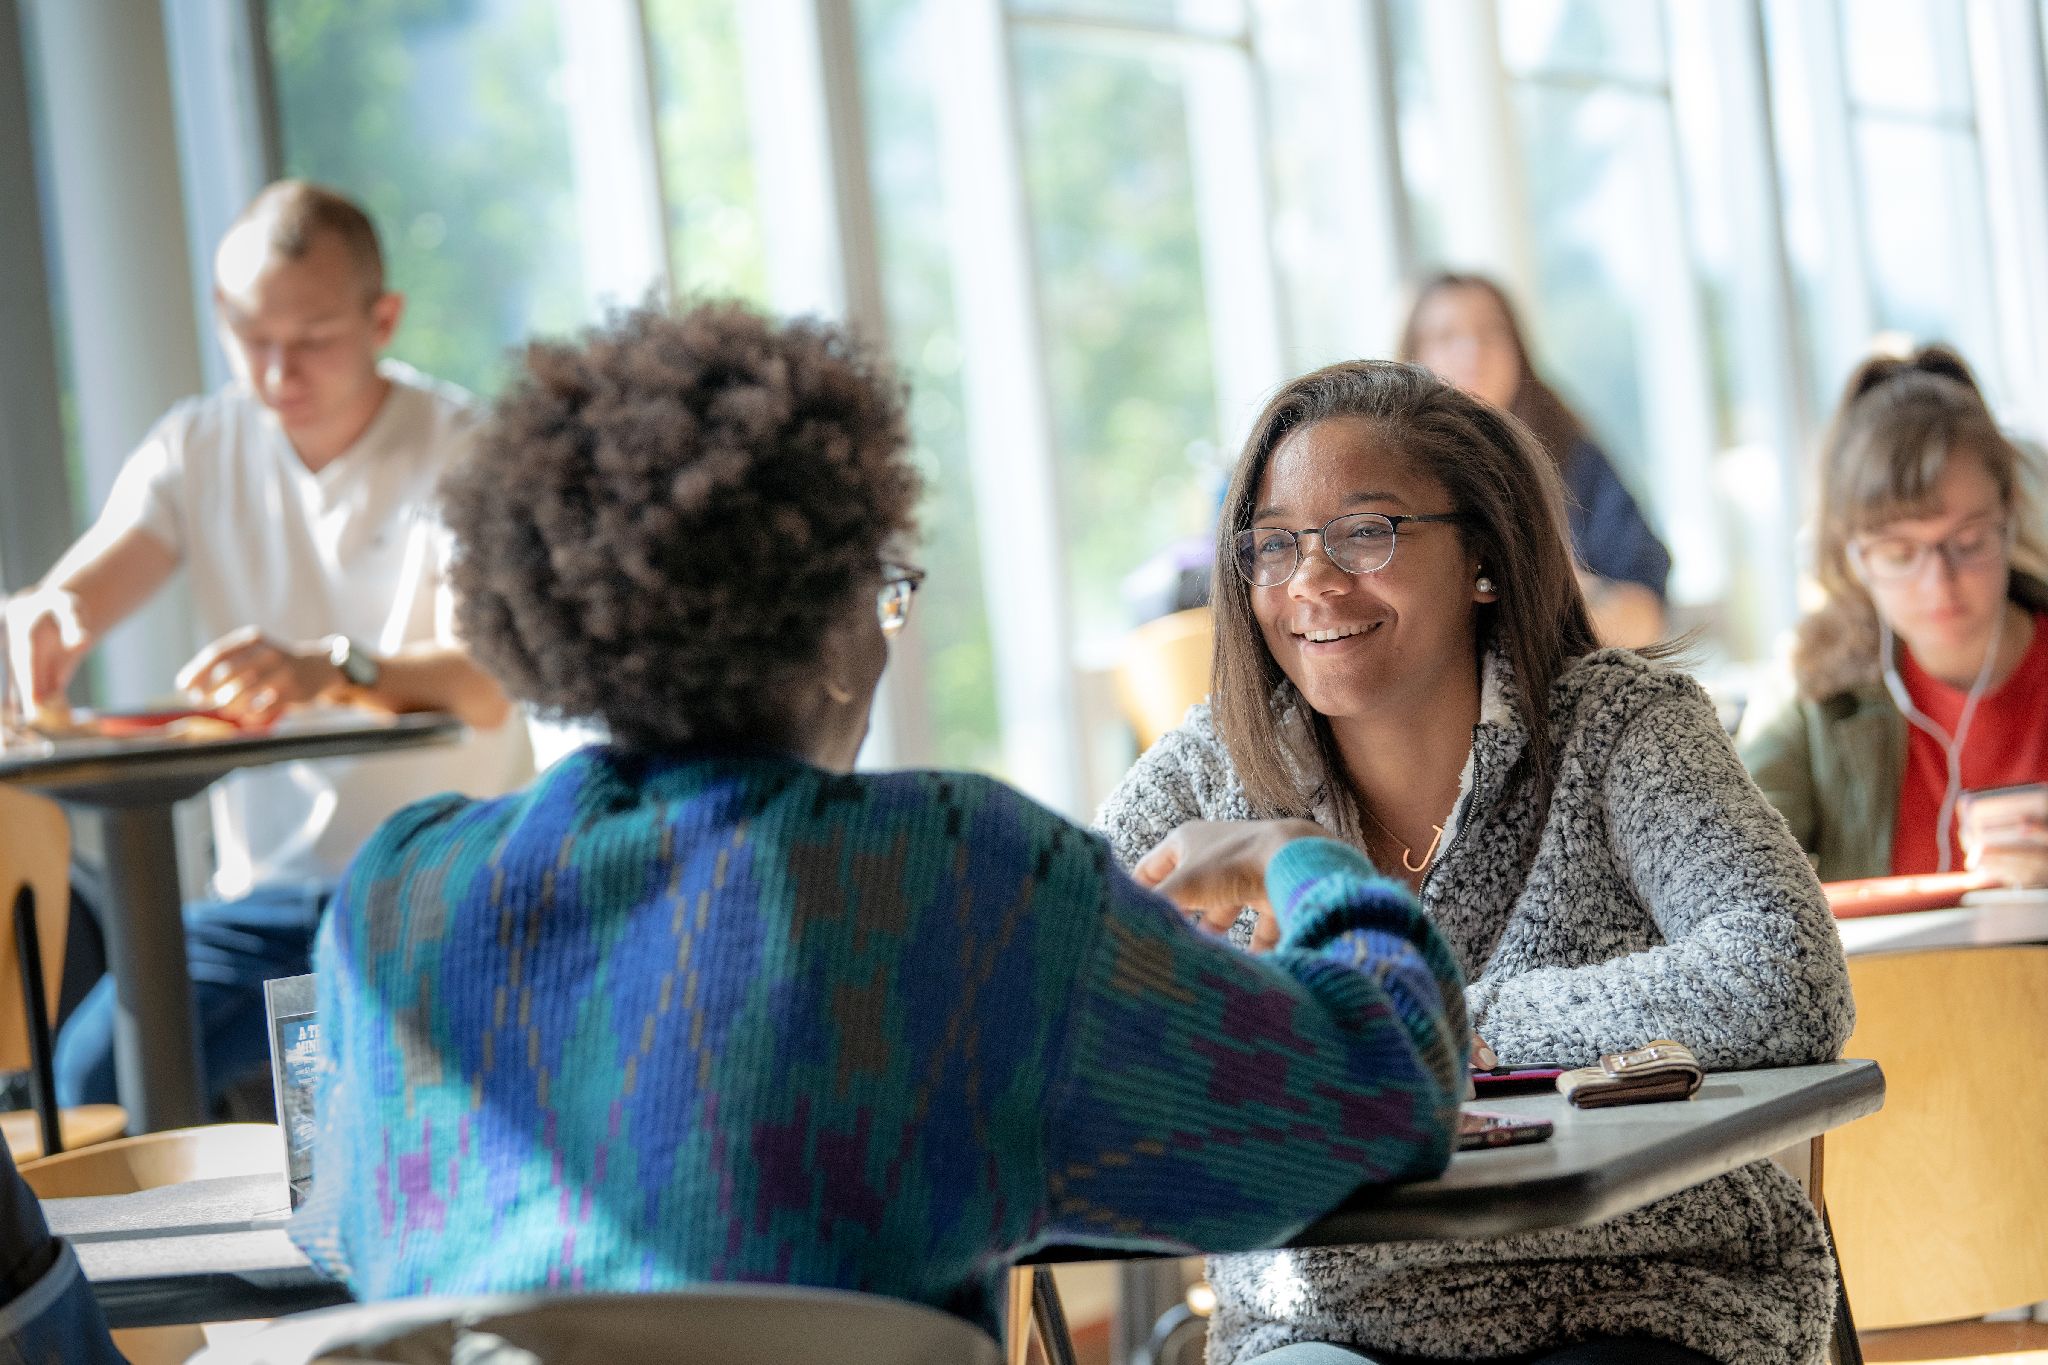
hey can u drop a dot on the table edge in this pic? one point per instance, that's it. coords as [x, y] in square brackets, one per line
[98, 778]
[1418, 1211]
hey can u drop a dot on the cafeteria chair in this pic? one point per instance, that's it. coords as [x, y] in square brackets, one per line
[35, 882]
[148, 1162]
[1936, 1200]
[734, 1324]
[1163, 670]
[152, 1160]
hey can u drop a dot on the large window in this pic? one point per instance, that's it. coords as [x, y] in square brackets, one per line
[1709, 212]
[1111, 181]
[1883, 181]
[952, 624]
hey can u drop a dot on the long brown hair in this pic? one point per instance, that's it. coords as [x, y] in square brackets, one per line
[1513, 504]
[1556, 427]
[1899, 422]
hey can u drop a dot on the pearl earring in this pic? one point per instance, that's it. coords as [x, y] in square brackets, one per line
[1484, 584]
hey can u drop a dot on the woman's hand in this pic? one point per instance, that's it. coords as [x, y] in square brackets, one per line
[2005, 834]
[1212, 869]
[2015, 864]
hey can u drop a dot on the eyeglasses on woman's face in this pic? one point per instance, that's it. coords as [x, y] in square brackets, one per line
[899, 585]
[1357, 543]
[1894, 558]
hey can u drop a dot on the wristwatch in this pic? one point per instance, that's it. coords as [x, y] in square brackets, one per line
[353, 662]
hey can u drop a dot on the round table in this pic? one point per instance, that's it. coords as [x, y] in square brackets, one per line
[128, 787]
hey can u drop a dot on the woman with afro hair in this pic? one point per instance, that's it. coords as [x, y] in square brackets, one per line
[703, 1004]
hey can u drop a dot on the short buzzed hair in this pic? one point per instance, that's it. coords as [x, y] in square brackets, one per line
[293, 213]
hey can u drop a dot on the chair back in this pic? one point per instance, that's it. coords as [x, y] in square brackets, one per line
[35, 855]
[1937, 1199]
[731, 1324]
[152, 1160]
[1164, 669]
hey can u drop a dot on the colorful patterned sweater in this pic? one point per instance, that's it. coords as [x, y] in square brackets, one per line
[665, 1019]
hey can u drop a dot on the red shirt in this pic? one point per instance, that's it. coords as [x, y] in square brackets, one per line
[2007, 744]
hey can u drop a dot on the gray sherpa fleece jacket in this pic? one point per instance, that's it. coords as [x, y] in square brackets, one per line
[1659, 896]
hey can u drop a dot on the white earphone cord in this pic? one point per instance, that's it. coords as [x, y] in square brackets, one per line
[1951, 747]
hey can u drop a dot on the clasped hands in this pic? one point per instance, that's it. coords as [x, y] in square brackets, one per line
[1212, 869]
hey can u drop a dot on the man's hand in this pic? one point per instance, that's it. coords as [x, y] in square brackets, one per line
[45, 641]
[253, 678]
[1212, 869]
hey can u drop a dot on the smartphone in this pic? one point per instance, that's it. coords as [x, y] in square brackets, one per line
[1478, 1128]
[1517, 1080]
[2004, 815]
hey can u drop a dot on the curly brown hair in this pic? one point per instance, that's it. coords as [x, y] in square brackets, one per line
[663, 517]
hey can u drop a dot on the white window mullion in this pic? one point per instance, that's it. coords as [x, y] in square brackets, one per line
[1486, 207]
[1677, 384]
[621, 221]
[1349, 236]
[1008, 403]
[2012, 123]
[1848, 310]
[1772, 367]
[1232, 212]
[227, 136]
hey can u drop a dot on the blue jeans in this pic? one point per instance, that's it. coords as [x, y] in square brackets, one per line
[234, 947]
[1602, 1351]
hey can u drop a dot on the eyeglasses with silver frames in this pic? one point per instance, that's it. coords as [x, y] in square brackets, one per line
[1357, 543]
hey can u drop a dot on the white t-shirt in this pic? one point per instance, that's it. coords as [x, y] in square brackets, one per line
[355, 549]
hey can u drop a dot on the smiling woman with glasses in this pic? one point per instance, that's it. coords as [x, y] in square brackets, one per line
[1924, 673]
[704, 1003]
[1404, 657]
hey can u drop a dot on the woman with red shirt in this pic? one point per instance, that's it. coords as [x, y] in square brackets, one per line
[1924, 673]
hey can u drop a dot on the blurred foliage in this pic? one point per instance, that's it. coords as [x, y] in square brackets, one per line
[1107, 168]
[444, 118]
[707, 160]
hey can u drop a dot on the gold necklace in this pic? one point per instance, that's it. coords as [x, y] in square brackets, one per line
[1407, 849]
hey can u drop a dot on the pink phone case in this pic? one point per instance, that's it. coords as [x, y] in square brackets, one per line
[1515, 1080]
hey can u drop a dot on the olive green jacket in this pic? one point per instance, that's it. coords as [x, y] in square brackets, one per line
[1833, 769]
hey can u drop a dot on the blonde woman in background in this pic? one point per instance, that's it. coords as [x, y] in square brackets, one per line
[1923, 674]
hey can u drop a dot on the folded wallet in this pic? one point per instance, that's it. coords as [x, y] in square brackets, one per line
[1662, 1070]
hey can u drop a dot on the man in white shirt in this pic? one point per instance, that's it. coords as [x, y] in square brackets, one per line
[299, 499]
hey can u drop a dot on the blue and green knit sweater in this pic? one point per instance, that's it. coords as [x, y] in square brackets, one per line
[663, 1019]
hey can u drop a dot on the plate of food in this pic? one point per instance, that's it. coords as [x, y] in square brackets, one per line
[1894, 895]
[166, 723]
